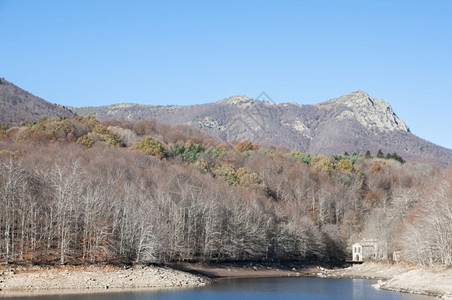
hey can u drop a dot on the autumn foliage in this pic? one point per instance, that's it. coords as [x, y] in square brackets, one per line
[80, 191]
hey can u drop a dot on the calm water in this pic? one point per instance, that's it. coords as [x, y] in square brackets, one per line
[260, 288]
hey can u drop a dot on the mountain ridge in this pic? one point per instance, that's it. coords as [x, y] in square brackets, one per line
[18, 105]
[355, 122]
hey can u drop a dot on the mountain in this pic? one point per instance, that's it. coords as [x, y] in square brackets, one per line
[355, 122]
[18, 105]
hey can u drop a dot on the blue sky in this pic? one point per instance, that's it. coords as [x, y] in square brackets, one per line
[81, 53]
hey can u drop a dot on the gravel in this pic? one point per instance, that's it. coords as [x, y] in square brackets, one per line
[49, 280]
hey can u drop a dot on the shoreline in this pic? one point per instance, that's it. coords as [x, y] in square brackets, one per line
[52, 280]
[400, 277]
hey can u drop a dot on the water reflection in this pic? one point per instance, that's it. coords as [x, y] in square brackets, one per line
[305, 288]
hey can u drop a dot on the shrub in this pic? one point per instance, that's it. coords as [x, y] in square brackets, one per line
[2, 130]
[246, 178]
[151, 147]
[304, 157]
[86, 141]
[189, 152]
[324, 164]
[375, 168]
[228, 173]
[344, 165]
[396, 157]
[245, 146]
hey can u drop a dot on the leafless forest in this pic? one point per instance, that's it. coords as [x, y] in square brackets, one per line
[78, 191]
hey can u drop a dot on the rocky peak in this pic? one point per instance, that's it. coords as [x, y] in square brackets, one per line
[356, 99]
[237, 100]
[373, 113]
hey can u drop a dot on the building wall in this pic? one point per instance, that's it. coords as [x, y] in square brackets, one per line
[366, 250]
[369, 252]
[357, 253]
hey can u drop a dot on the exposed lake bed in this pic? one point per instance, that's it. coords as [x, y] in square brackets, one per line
[94, 279]
[254, 288]
[434, 281]
[31, 281]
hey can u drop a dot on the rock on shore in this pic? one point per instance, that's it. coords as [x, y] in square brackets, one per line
[45, 280]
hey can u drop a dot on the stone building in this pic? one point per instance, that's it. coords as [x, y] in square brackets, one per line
[364, 250]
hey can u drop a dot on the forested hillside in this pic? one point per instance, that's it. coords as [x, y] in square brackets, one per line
[80, 191]
[18, 105]
[355, 122]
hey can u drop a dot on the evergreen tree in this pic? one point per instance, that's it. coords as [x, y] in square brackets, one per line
[380, 154]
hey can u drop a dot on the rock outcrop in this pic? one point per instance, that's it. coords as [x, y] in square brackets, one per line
[372, 113]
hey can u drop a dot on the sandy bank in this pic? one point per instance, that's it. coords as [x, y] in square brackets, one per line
[371, 270]
[250, 270]
[69, 279]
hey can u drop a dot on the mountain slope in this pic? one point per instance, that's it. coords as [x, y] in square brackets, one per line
[18, 105]
[355, 122]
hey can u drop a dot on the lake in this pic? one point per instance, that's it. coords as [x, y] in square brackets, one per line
[257, 288]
